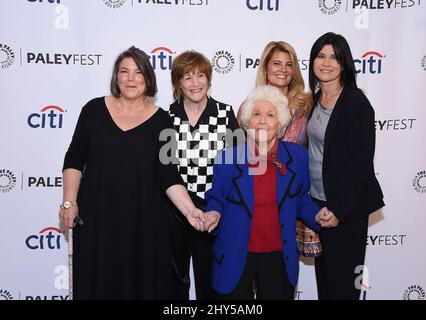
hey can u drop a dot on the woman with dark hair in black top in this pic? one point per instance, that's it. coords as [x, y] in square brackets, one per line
[341, 134]
[116, 182]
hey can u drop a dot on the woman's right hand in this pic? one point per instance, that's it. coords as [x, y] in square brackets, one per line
[212, 220]
[67, 216]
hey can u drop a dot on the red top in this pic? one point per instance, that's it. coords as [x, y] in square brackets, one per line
[265, 234]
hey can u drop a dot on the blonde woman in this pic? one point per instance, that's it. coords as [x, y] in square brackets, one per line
[279, 67]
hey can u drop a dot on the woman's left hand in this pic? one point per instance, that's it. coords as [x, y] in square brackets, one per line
[196, 219]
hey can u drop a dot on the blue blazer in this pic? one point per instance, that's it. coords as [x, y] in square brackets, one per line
[232, 196]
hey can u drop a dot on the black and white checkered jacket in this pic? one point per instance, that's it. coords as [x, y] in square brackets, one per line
[198, 146]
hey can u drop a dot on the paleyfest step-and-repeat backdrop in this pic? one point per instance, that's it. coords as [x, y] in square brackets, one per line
[55, 55]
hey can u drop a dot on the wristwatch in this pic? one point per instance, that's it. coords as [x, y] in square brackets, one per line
[68, 204]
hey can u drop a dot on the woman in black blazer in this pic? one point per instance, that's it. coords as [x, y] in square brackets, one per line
[341, 135]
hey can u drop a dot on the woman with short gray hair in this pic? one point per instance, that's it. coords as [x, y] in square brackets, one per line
[259, 189]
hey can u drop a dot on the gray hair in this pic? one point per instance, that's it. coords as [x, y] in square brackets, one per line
[267, 94]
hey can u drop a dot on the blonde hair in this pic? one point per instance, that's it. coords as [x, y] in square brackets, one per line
[269, 94]
[298, 99]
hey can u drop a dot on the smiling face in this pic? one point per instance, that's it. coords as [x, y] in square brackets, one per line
[194, 86]
[264, 123]
[279, 70]
[131, 80]
[326, 67]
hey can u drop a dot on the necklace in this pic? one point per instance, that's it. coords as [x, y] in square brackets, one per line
[331, 99]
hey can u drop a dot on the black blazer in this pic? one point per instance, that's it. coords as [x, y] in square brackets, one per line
[351, 188]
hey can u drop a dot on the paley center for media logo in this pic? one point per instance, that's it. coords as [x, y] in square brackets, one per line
[5, 295]
[263, 5]
[329, 7]
[223, 62]
[69, 59]
[48, 117]
[7, 56]
[48, 238]
[419, 182]
[114, 4]
[253, 63]
[7, 180]
[395, 124]
[176, 2]
[386, 239]
[414, 292]
[384, 5]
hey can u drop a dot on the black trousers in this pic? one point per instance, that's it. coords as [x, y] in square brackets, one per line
[188, 243]
[343, 251]
[264, 278]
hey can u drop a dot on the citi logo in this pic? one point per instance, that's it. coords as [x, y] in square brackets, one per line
[49, 1]
[48, 117]
[270, 5]
[48, 238]
[162, 58]
[370, 62]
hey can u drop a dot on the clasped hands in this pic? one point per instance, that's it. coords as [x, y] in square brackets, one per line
[207, 221]
[203, 221]
[326, 218]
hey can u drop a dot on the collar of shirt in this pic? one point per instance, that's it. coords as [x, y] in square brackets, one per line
[178, 110]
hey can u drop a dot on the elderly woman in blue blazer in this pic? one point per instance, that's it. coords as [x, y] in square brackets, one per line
[259, 189]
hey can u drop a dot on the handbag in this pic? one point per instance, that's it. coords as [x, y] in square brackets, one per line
[308, 241]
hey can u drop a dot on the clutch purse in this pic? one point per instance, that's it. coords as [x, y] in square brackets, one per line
[308, 241]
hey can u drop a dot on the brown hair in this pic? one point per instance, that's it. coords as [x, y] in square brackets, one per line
[142, 61]
[186, 62]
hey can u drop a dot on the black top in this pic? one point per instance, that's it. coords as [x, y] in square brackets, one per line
[123, 249]
[198, 145]
[350, 185]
